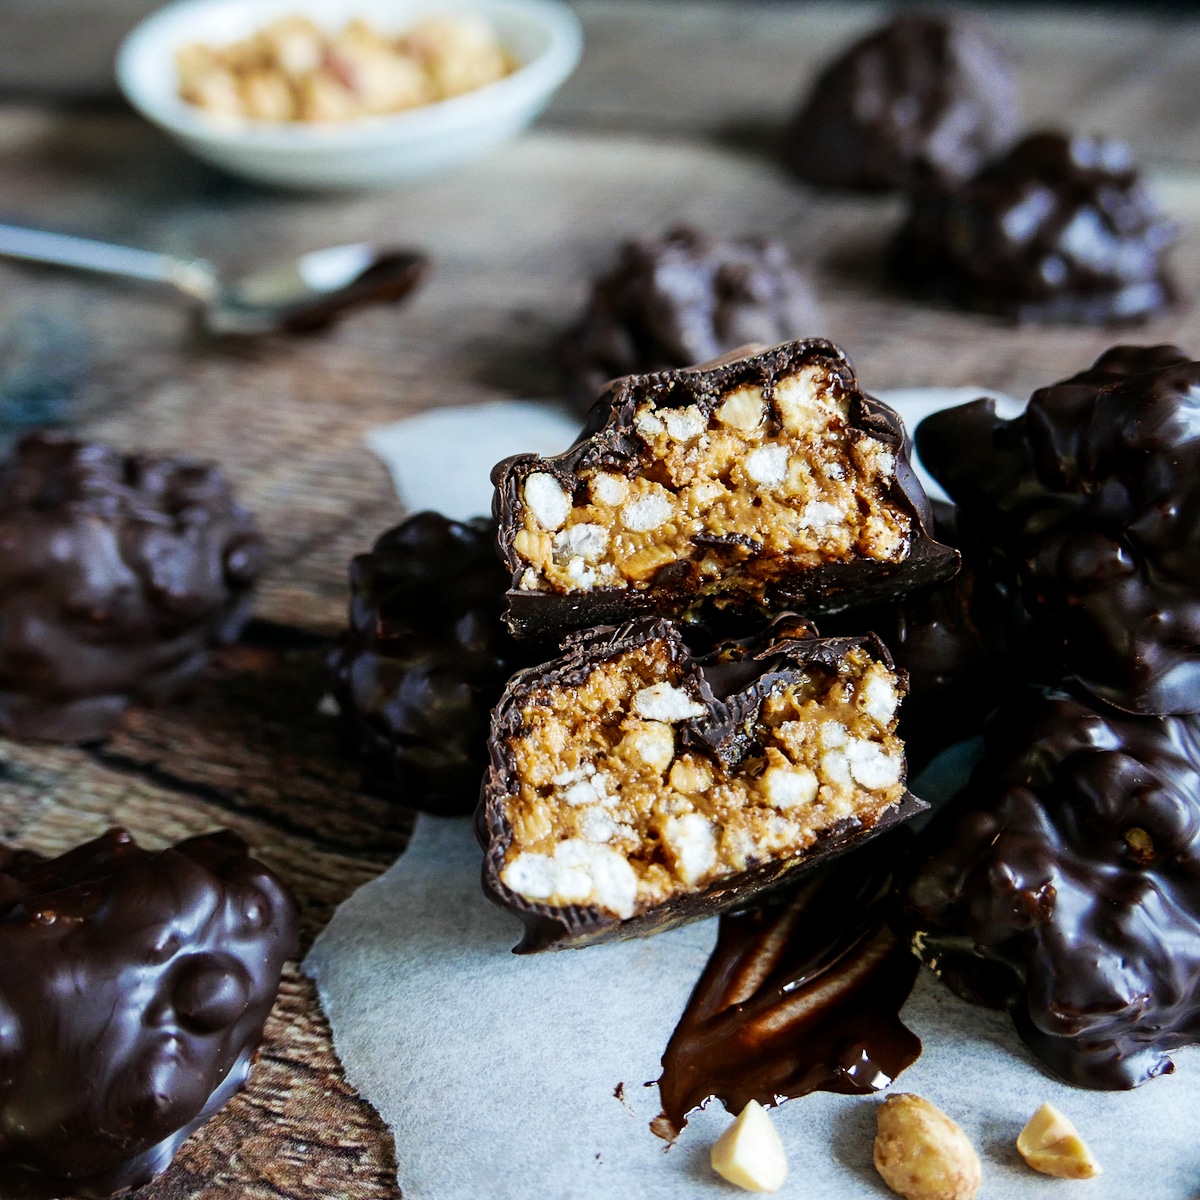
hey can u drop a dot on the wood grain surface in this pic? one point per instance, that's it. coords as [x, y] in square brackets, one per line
[668, 119]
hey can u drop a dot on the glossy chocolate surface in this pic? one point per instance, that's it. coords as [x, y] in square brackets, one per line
[390, 277]
[922, 99]
[799, 996]
[1064, 884]
[683, 299]
[425, 659]
[733, 681]
[958, 643]
[133, 994]
[611, 441]
[1090, 502]
[1061, 229]
[117, 573]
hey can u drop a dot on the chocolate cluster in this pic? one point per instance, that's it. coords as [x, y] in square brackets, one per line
[1090, 503]
[425, 659]
[682, 299]
[1059, 229]
[922, 100]
[1064, 884]
[118, 572]
[134, 989]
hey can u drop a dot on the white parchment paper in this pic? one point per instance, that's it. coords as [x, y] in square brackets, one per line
[499, 1075]
[458, 484]
[915, 404]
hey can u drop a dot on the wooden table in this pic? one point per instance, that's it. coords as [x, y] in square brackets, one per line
[669, 118]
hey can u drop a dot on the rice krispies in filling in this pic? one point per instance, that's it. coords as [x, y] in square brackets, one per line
[611, 811]
[774, 481]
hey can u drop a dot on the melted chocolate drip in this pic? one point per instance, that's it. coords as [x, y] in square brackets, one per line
[800, 996]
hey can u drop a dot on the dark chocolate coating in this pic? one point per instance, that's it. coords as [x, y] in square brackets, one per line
[802, 995]
[732, 682]
[1061, 229]
[118, 572]
[683, 299]
[610, 441]
[1091, 502]
[957, 642]
[425, 659]
[134, 989]
[922, 99]
[391, 276]
[1064, 884]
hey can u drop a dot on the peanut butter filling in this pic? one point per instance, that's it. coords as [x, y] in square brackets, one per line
[772, 482]
[610, 811]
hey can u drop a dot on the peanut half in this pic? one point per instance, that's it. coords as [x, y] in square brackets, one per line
[749, 1153]
[1050, 1143]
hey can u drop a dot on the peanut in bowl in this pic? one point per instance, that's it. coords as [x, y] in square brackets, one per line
[383, 92]
[293, 70]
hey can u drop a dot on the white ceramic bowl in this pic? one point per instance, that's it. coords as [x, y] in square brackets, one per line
[543, 35]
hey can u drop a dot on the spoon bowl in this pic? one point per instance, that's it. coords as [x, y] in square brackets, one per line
[314, 290]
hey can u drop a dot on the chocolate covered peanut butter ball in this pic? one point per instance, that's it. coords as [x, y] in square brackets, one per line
[1063, 883]
[682, 299]
[425, 659]
[922, 100]
[1061, 229]
[118, 572]
[1090, 504]
[134, 989]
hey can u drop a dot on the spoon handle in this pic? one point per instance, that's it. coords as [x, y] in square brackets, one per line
[35, 245]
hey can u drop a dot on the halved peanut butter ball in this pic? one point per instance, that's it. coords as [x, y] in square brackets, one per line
[766, 479]
[634, 786]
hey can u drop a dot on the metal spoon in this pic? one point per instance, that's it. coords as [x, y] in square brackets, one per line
[305, 294]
